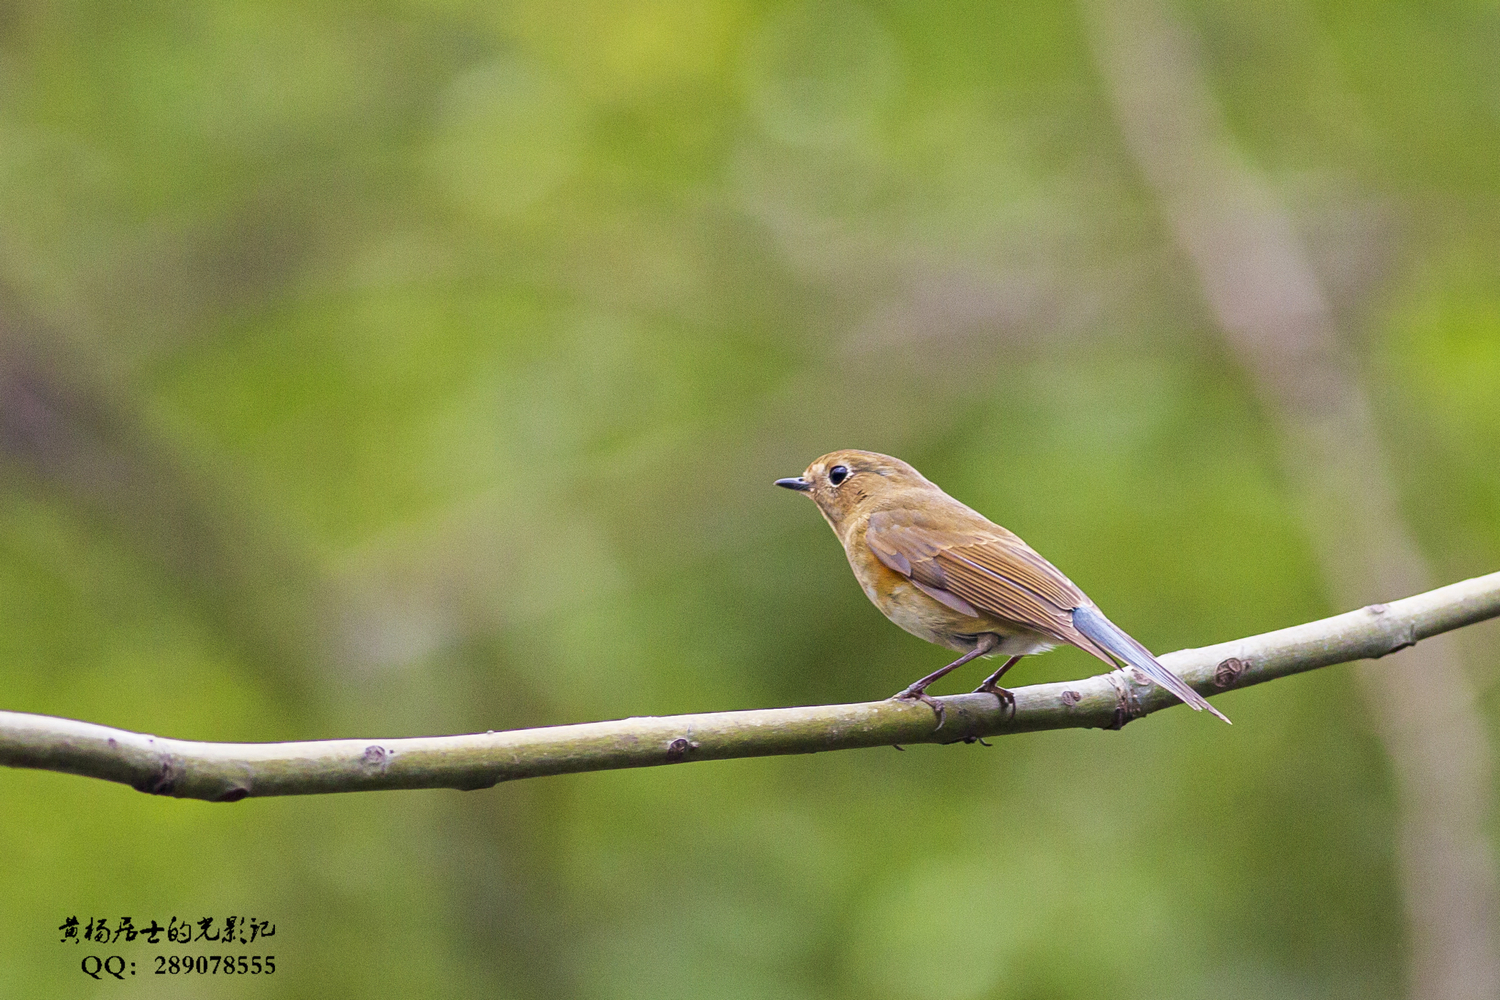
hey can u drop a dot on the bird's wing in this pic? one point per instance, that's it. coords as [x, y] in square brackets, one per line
[984, 567]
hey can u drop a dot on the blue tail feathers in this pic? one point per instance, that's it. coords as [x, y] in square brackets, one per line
[1116, 642]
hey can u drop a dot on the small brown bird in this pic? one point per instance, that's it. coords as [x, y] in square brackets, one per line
[948, 574]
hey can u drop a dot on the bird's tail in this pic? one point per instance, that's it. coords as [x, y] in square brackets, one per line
[1115, 641]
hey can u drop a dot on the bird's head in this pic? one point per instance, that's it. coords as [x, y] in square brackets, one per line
[845, 484]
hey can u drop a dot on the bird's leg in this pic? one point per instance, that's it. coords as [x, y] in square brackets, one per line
[918, 690]
[1007, 700]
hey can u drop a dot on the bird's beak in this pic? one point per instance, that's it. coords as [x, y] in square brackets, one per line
[799, 484]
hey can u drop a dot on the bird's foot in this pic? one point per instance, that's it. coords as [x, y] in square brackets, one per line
[1007, 699]
[915, 693]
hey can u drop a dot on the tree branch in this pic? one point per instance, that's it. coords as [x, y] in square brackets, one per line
[227, 772]
[1256, 278]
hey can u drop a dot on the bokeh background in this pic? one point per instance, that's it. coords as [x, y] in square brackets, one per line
[387, 369]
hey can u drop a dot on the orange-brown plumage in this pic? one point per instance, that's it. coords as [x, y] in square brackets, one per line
[948, 574]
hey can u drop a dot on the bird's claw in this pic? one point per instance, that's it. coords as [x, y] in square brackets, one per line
[917, 694]
[1006, 698]
[967, 739]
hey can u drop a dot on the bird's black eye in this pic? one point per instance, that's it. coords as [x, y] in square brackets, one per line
[838, 474]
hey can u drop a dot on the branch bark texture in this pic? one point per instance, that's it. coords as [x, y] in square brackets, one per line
[227, 772]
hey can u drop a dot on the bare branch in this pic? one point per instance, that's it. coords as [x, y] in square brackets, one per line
[1256, 277]
[227, 772]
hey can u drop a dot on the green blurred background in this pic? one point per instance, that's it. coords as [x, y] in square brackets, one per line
[411, 368]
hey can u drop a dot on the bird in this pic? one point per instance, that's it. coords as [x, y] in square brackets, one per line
[946, 573]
